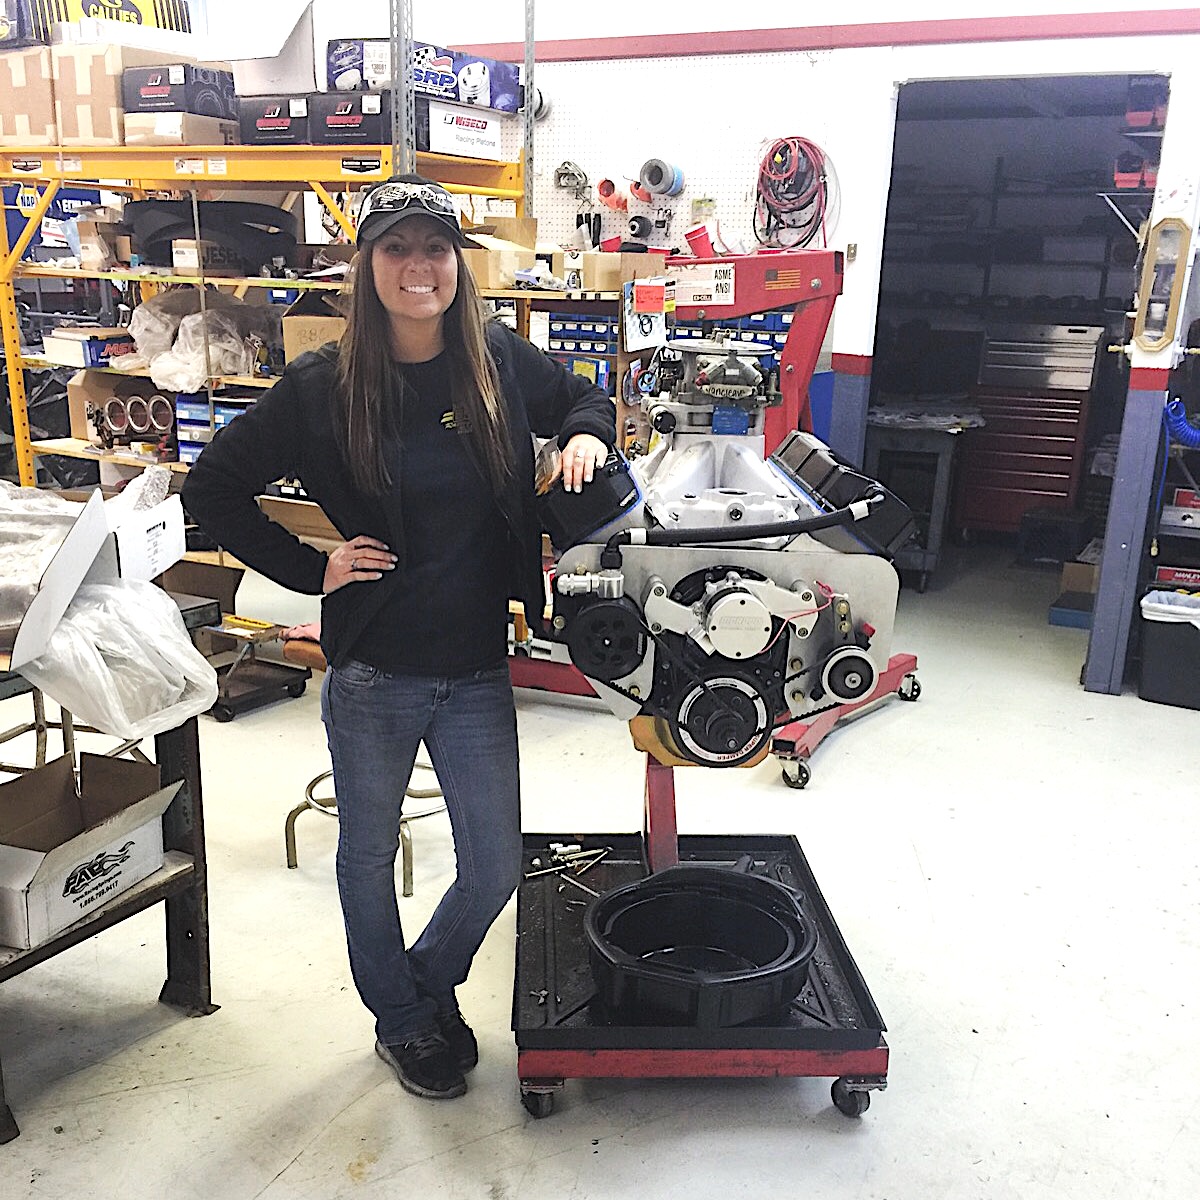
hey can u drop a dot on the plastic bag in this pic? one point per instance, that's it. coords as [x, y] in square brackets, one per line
[1177, 607]
[121, 660]
[187, 366]
[32, 527]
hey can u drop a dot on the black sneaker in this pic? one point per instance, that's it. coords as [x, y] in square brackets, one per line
[425, 1066]
[464, 1049]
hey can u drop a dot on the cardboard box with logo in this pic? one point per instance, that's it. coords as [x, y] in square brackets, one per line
[35, 20]
[65, 851]
[191, 257]
[354, 64]
[27, 98]
[86, 346]
[280, 120]
[316, 318]
[205, 90]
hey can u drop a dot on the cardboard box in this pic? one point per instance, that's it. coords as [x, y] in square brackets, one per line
[303, 518]
[102, 244]
[1080, 577]
[107, 542]
[271, 57]
[92, 389]
[179, 129]
[357, 119]
[497, 261]
[189, 256]
[354, 64]
[27, 98]
[66, 852]
[87, 347]
[314, 319]
[466, 132]
[278, 120]
[521, 230]
[211, 580]
[88, 106]
[206, 90]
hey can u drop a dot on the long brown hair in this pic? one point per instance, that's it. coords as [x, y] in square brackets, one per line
[370, 390]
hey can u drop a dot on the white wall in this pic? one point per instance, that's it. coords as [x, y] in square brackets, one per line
[713, 115]
[476, 21]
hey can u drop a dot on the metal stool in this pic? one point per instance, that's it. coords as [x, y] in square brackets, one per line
[308, 653]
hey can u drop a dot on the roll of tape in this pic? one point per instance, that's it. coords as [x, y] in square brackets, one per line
[661, 178]
[640, 227]
[612, 196]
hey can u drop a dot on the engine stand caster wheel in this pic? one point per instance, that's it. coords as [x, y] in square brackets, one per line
[296, 689]
[538, 1104]
[910, 688]
[222, 713]
[796, 774]
[847, 1101]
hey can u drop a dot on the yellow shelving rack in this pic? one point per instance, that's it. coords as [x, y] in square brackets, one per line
[200, 171]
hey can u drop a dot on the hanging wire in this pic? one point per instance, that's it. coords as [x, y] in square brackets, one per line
[798, 195]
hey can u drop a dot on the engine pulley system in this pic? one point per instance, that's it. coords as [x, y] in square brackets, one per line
[738, 591]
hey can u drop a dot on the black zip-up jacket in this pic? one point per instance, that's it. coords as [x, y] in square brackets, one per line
[289, 433]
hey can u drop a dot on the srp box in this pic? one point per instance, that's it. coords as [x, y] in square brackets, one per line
[357, 64]
[66, 851]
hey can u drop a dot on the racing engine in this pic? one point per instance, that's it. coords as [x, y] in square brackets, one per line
[709, 594]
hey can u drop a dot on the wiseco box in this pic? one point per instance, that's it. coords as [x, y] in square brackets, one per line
[65, 852]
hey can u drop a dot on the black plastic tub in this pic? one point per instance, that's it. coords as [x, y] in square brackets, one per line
[698, 945]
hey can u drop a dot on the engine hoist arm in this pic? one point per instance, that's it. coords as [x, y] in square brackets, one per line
[811, 281]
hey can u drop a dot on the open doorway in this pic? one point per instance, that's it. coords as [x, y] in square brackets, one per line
[1010, 252]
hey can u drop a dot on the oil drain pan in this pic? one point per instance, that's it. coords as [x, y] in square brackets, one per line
[699, 945]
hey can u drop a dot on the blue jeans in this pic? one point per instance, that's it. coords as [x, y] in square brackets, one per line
[375, 723]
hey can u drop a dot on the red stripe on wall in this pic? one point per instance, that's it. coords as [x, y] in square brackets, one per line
[849, 37]
[852, 364]
[1149, 379]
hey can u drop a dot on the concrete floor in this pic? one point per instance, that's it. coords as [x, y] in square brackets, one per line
[1012, 861]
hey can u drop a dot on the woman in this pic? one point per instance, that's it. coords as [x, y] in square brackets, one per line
[413, 434]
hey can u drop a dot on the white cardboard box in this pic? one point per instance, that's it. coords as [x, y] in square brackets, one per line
[107, 542]
[66, 851]
[270, 50]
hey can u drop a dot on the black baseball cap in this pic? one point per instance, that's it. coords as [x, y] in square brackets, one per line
[403, 196]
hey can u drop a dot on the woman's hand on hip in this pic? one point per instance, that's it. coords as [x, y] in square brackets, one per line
[580, 458]
[360, 559]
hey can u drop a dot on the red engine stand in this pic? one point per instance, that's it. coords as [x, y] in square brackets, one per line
[794, 742]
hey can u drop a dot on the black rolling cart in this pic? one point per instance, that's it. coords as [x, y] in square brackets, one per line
[563, 1028]
[181, 883]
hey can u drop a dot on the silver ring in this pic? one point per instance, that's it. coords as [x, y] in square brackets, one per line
[354, 564]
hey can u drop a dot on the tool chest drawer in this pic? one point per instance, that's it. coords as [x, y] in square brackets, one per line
[1029, 454]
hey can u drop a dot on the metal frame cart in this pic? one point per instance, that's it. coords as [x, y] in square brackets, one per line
[831, 1030]
[182, 883]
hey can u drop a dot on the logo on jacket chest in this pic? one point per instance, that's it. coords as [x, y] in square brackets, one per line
[456, 422]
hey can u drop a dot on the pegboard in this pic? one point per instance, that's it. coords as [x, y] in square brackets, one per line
[711, 116]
